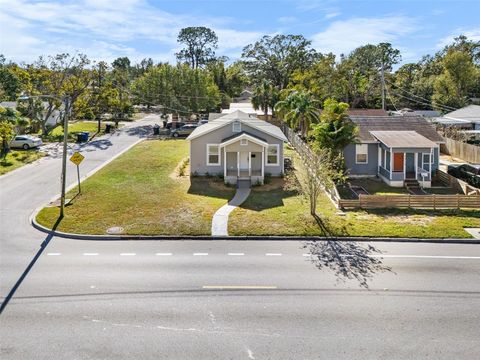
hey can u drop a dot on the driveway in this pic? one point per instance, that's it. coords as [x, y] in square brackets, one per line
[25, 189]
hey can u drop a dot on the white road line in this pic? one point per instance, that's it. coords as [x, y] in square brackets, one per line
[425, 256]
[236, 254]
[256, 287]
[200, 254]
[54, 254]
[128, 254]
[163, 254]
[273, 254]
[90, 254]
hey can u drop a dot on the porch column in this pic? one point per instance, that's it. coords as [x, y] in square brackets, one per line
[391, 163]
[238, 163]
[416, 166]
[379, 159]
[263, 159]
[430, 165]
[404, 166]
[225, 163]
[249, 163]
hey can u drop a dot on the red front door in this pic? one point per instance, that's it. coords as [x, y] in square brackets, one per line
[398, 160]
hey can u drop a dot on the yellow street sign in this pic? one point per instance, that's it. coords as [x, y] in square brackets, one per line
[77, 158]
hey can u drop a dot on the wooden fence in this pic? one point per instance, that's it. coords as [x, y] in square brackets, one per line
[413, 201]
[306, 154]
[455, 183]
[464, 151]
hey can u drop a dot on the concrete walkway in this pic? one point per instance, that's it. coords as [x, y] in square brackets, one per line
[220, 218]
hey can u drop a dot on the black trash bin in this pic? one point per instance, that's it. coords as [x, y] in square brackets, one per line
[164, 124]
[108, 128]
[156, 129]
[79, 137]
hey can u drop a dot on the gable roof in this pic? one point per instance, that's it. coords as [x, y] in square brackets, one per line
[469, 113]
[366, 124]
[403, 139]
[242, 117]
[243, 135]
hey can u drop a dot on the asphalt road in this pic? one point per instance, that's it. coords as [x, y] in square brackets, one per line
[223, 299]
[242, 300]
[34, 185]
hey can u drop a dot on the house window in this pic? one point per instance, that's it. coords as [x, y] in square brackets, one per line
[213, 154]
[244, 142]
[426, 162]
[237, 126]
[361, 153]
[272, 155]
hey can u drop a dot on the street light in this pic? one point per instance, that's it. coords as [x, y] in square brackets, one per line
[66, 103]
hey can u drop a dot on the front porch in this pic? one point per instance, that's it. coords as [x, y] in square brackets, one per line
[405, 157]
[244, 166]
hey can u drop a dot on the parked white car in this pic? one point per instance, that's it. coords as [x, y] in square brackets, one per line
[25, 141]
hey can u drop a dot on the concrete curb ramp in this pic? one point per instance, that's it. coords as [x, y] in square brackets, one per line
[220, 218]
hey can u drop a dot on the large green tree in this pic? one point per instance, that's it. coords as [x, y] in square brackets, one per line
[200, 45]
[458, 81]
[277, 58]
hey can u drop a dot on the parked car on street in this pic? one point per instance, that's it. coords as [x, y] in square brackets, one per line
[169, 125]
[25, 142]
[467, 172]
[185, 130]
[203, 121]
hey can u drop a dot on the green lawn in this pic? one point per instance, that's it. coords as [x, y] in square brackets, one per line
[141, 192]
[282, 210]
[18, 158]
[76, 127]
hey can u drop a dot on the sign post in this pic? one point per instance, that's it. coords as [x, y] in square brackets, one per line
[77, 158]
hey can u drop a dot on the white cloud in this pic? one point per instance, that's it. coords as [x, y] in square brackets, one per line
[332, 15]
[341, 37]
[471, 34]
[103, 28]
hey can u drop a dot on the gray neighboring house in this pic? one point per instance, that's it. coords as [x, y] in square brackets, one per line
[395, 149]
[238, 146]
[467, 117]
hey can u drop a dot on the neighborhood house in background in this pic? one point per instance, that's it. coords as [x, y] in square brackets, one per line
[237, 146]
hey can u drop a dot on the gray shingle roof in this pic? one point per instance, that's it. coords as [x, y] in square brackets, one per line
[403, 139]
[395, 123]
[470, 113]
[251, 121]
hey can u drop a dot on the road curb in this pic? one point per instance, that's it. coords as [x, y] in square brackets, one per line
[73, 236]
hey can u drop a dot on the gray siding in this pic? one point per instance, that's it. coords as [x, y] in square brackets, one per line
[370, 168]
[198, 150]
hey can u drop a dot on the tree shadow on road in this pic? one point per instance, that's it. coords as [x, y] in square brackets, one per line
[347, 259]
[22, 277]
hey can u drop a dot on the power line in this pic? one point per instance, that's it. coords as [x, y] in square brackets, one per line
[427, 100]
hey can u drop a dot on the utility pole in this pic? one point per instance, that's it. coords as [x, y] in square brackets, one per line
[382, 73]
[66, 102]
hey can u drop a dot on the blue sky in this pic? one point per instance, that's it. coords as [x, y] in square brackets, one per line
[106, 29]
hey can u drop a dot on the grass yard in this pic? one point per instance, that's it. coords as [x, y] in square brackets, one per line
[282, 210]
[142, 192]
[18, 158]
[76, 127]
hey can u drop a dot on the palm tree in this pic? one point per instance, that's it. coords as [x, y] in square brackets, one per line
[264, 97]
[299, 109]
[335, 130]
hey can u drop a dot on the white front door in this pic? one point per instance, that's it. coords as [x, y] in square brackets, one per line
[244, 161]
